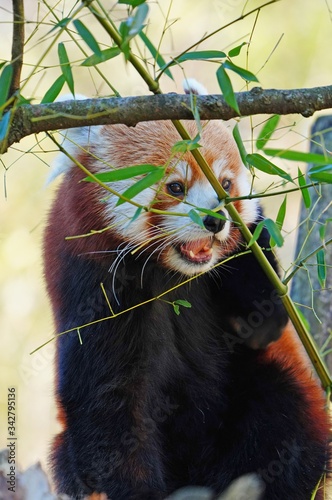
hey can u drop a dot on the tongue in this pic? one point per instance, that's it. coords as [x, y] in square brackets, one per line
[197, 251]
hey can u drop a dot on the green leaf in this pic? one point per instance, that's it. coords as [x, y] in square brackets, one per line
[183, 303]
[195, 217]
[281, 214]
[280, 220]
[321, 267]
[258, 161]
[243, 73]
[135, 23]
[256, 234]
[4, 125]
[236, 51]
[155, 54]
[304, 319]
[136, 214]
[267, 131]
[198, 55]
[61, 24]
[133, 3]
[120, 174]
[176, 308]
[227, 89]
[321, 173]
[299, 156]
[273, 230]
[65, 67]
[186, 145]
[5, 81]
[240, 145]
[131, 27]
[322, 231]
[87, 36]
[304, 190]
[148, 181]
[23, 100]
[54, 90]
[213, 213]
[177, 303]
[102, 56]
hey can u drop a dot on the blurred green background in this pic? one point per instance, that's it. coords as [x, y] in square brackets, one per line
[290, 48]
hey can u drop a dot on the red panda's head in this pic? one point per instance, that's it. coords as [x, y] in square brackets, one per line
[175, 241]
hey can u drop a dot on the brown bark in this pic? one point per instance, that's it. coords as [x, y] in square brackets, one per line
[32, 119]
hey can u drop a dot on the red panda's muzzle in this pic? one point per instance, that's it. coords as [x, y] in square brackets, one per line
[197, 251]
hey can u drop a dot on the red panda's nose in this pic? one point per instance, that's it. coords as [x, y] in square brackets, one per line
[214, 224]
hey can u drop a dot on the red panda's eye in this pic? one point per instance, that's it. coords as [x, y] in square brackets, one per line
[176, 188]
[226, 184]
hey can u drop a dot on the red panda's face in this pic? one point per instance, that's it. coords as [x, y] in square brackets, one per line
[172, 238]
[175, 241]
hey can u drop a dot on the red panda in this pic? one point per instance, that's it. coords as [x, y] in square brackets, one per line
[154, 395]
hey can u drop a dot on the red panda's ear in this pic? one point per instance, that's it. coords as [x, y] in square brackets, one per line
[192, 86]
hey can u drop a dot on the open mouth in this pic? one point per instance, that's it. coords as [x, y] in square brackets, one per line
[197, 252]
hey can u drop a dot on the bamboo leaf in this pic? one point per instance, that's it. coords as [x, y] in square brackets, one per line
[61, 24]
[299, 156]
[5, 81]
[281, 214]
[304, 190]
[133, 3]
[280, 219]
[196, 218]
[54, 90]
[243, 73]
[321, 173]
[321, 267]
[227, 89]
[136, 23]
[139, 186]
[102, 56]
[176, 308]
[177, 303]
[87, 36]
[198, 55]
[240, 145]
[213, 213]
[183, 303]
[155, 54]
[186, 145]
[65, 67]
[267, 131]
[236, 51]
[4, 125]
[273, 230]
[256, 234]
[120, 174]
[258, 161]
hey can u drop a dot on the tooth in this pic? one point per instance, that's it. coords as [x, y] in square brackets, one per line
[192, 255]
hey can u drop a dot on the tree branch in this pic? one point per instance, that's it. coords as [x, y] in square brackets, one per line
[32, 119]
[17, 44]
